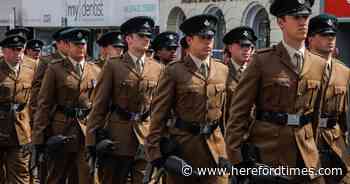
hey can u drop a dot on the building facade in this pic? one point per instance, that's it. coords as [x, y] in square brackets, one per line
[231, 13]
[45, 17]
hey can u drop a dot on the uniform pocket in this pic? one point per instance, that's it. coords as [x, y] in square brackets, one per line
[216, 95]
[308, 131]
[6, 90]
[335, 99]
[307, 93]
[23, 92]
[275, 91]
[190, 96]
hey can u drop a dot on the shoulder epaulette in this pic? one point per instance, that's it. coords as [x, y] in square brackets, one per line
[173, 62]
[263, 50]
[339, 61]
[54, 61]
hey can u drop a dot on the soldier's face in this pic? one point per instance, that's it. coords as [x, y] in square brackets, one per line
[139, 43]
[77, 51]
[114, 51]
[199, 46]
[167, 54]
[62, 46]
[323, 43]
[34, 54]
[13, 55]
[241, 53]
[294, 27]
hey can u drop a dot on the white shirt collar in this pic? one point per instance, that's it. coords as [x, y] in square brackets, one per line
[134, 58]
[74, 63]
[198, 61]
[329, 61]
[291, 51]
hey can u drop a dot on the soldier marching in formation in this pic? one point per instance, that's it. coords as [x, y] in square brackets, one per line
[111, 46]
[334, 104]
[130, 117]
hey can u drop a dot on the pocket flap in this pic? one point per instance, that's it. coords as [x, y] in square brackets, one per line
[313, 84]
[283, 82]
[219, 87]
[308, 131]
[339, 90]
[190, 89]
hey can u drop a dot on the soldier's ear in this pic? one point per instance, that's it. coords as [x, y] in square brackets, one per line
[189, 39]
[280, 22]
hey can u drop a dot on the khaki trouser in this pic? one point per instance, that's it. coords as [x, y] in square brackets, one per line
[69, 167]
[119, 168]
[14, 165]
[329, 159]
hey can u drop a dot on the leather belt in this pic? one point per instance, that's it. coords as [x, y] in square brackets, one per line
[130, 116]
[7, 107]
[196, 128]
[328, 120]
[74, 112]
[284, 118]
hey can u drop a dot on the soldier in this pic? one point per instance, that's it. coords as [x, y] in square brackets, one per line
[124, 92]
[63, 105]
[240, 43]
[333, 126]
[165, 46]
[194, 89]
[24, 32]
[15, 131]
[61, 53]
[33, 49]
[111, 46]
[284, 83]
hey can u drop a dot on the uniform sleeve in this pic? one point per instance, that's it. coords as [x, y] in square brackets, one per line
[346, 116]
[240, 111]
[36, 84]
[161, 105]
[101, 99]
[46, 100]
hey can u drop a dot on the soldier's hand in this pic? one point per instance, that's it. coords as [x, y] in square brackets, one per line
[105, 146]
[91, 158]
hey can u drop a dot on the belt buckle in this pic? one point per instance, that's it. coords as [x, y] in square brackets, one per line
[293, 119]
[204, 130]
[135, 117]
[323, 122]
[14, 107]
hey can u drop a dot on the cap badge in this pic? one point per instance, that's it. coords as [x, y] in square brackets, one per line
[301, 1]
[206, 23]
[329, 22]
[171, 37]
[245, 33]
[15, 39]
[36, 45]
[21, 34]
[146, 25]
[80, 35]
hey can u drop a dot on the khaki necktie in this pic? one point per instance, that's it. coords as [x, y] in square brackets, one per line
[327, 72]
[79, 69]
[204, 70]
[139, 65]
[298, 59]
